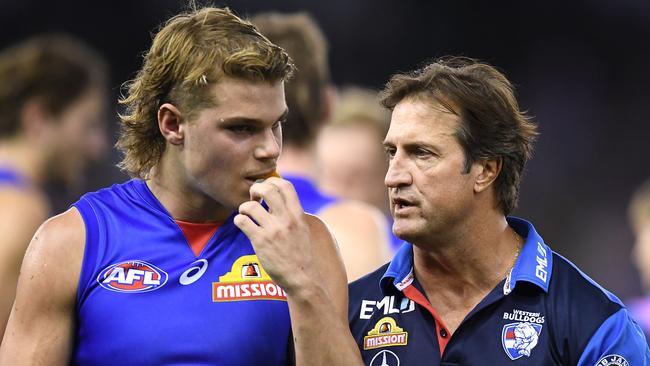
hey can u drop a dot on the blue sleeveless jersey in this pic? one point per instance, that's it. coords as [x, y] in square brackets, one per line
[144, 298]
[311, 199]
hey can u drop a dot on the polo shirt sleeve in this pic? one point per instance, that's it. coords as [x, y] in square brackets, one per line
[618, 341]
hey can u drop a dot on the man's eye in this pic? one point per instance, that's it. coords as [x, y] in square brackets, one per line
[422, 152]
[241, 129]
[390, 152]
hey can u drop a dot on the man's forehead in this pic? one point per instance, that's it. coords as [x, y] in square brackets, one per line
[422, 119]
[244, 90]
[262, 100]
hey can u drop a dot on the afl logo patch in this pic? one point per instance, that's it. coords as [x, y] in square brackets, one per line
[612, 360]
[132, 276]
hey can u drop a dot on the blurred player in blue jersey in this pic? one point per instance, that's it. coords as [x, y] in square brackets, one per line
[351, 160]
[359, 228]
[156, 271]
[52, 123]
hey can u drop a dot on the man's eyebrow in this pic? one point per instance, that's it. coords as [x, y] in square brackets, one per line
[255, 121]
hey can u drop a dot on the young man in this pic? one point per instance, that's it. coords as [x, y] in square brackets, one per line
[155, 271]
[473, 286]
[52, 109]
[359, 228]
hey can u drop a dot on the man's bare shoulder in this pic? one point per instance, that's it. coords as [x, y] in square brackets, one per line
[58, 244]
[354, 213]
[24, 208]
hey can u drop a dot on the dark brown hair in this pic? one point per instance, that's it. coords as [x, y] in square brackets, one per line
[492, 125]
[301, 37]
[54, 70]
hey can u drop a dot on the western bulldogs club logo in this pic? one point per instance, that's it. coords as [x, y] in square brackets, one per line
[519, 339]
[612, 360]
[132, 276]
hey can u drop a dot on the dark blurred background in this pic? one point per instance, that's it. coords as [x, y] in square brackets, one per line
[581, 69]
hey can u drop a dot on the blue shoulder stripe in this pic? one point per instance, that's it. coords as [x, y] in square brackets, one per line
[618, 341]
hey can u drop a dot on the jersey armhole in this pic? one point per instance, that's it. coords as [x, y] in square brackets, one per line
[89, 260]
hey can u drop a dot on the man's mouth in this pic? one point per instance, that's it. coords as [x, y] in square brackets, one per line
[261, 175]
[401, 204]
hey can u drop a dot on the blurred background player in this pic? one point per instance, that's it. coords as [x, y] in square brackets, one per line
[52, 110]
[639, 212]
[351, 160]
[359, 228]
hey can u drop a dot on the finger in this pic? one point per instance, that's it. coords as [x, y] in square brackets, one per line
[256, 212]
[248, 227]
[271, 195]
[289, 195]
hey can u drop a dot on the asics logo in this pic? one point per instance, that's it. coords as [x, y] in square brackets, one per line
[194, 273]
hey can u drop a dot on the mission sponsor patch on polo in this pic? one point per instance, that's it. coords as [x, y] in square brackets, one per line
[384, 334]
[247, 280]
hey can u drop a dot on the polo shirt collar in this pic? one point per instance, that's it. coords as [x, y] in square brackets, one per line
[533, 265]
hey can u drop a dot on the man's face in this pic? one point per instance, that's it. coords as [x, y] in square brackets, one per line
[428, 191]
[77, 137]
[641, 252]
[227, 147]
[352, 163]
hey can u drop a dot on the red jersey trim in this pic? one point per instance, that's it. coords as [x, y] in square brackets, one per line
[198, 234]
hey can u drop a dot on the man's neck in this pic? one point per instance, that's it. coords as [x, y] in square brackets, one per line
[183, 201]
[17, 153]
[472, 261]
[458, 274]
[297, 161]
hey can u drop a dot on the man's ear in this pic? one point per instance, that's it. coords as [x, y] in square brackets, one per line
[330, 95]
[489, 170]
[34, 120]
[169, 121]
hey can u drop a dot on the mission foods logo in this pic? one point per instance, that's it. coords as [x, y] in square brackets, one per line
[132, 276]
[247, 280]
[385, 333]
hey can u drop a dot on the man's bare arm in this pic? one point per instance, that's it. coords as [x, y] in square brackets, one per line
[300, 254]
[362, 235]
[40, 328]
[21, 214]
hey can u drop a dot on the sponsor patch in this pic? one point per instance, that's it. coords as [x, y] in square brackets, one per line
[388, 305]
[612, 360]
[384, 358]
[385, 333]
[194, 273]
[247, 280]
[519, 339]
[132, 276]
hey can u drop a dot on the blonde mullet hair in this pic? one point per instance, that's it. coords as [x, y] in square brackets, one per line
[191, 52]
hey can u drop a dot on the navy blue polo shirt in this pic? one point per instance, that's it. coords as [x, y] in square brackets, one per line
[546, 312]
